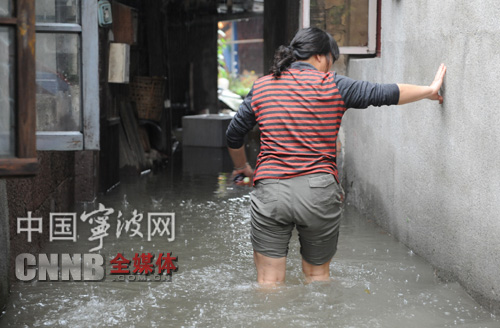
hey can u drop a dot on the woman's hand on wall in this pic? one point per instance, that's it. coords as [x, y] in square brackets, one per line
[436, 84]
[410, 93]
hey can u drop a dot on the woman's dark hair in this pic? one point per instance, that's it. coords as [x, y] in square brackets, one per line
[306, 43]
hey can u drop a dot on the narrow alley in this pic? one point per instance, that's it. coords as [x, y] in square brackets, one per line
[376, 280]
[122, 123]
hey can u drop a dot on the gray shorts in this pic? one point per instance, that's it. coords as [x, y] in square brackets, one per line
[311, 202]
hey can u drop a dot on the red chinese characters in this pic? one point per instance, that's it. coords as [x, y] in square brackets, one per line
[165, 263]
[144, 264]
[120, 265]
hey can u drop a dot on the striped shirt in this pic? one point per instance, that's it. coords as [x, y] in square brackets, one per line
[299, 117]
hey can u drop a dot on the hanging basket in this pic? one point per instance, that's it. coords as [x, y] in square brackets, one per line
[147, 93]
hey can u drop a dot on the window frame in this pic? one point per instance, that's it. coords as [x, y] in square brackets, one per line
[370, 49]
[25, 161]
[88, 138]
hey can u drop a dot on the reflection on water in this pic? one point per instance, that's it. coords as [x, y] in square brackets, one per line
[377, 282]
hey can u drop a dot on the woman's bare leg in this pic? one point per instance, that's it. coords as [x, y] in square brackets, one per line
[270, 271]
[316, 272]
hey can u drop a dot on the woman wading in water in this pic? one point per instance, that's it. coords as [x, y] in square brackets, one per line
[299, 108]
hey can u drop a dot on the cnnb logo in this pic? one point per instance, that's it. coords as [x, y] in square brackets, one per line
[60, 267]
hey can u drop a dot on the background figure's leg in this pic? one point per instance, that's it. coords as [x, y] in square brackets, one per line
[316, 272]
[270, 271]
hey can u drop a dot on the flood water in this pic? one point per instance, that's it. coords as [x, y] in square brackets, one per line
[376, 281]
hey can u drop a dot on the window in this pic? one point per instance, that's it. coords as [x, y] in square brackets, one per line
[352, 23]
[17, 87]
[67, 86]
[7, 91]
[241, 47]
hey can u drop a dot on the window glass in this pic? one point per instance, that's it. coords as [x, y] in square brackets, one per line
[5, 8]
[240, 49]
[7, 92]
[58, 11]
[58, 80]
[345, 20]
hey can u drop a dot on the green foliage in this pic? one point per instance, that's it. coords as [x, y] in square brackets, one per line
[242, 84]
[238, 87]
[221, 45]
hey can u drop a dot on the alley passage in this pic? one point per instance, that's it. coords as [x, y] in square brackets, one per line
[377, 281]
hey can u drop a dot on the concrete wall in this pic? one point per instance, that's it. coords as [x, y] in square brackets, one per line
[430, 173]
[63, 179]
[51, 190]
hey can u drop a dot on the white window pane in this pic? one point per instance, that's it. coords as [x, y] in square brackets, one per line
[58, 11]
[58, 79]
[345, 20]
[7, 92]
[5, 8]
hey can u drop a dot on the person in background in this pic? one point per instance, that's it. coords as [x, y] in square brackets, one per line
[299, 107]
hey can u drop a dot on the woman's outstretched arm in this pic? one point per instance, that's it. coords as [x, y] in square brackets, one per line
[409, 93]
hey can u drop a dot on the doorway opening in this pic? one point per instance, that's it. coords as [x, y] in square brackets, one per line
[240, 57]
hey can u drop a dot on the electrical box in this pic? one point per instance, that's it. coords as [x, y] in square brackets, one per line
[104, 13]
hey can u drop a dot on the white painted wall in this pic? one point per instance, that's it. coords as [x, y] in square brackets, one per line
[430, 173]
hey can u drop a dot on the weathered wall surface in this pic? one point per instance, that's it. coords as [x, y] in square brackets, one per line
[51, 190]
[430, 173]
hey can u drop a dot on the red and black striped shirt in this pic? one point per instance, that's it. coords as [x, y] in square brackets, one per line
[299, 117]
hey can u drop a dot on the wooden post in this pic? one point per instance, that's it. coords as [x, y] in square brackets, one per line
[25, 162]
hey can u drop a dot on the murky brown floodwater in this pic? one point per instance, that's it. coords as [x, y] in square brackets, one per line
[377, 281]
